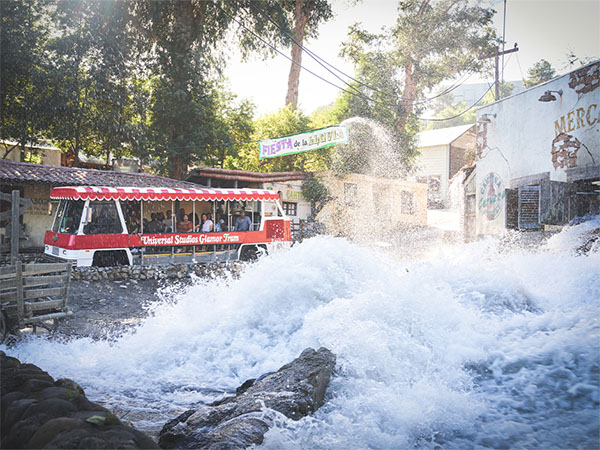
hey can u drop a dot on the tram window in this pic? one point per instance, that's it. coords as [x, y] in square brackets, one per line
[103, 219]
[71, 216]
[59, 215]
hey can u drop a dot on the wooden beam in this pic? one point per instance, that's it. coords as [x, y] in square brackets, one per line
[44, 280]
[8, 214]
[38, 269]
[47, 292]
[22, 201]
[14, 237]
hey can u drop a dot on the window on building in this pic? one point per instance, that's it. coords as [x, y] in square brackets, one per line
[350, 194]
[407, 205]
[290, 208]
[381, 197]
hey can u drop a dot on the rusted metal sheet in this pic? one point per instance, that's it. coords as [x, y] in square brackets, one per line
[555, 202]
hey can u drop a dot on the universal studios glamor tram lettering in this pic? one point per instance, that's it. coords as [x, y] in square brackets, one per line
[189, 239]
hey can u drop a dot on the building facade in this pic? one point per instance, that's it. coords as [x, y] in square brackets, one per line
[363, 206]
[442, 153]
[538, 155]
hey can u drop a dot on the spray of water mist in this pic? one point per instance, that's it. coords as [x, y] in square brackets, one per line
[475, 345]
[371, 150]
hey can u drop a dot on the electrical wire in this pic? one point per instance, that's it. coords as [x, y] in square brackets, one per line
[324, 63]
[460, 114]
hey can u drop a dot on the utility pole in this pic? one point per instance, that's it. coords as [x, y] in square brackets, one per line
[496, 55]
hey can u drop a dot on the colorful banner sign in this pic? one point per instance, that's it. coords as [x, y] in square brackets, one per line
[288, 145]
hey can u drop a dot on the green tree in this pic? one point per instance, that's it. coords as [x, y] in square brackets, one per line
[233, 126]
[25, 109]
[540, 72]
[430, 42]
[184, 35]
[460, 113]
[93, 78]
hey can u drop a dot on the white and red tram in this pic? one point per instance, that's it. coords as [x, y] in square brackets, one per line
[105, 226]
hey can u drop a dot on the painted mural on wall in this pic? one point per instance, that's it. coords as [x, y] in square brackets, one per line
[491, 196]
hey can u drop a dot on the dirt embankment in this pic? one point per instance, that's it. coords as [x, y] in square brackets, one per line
[107, 309]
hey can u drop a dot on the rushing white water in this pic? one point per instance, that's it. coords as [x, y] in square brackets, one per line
[477, 345]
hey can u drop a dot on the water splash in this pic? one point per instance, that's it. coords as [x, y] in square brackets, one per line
[371, 150]
[472, 345]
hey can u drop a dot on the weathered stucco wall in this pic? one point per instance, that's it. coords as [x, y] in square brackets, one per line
[367, 206]
[528, 137]
[38, 217]
[291, 191]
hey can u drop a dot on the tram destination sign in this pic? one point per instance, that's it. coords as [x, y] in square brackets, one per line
[312, 140]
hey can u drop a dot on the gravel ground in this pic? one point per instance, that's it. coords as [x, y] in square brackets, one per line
[106, 309]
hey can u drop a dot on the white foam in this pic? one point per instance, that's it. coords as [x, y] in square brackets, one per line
[475, 345]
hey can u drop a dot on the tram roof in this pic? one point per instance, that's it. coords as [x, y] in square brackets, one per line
[159, 193]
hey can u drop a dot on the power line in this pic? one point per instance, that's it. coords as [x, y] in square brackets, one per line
[324, 63]
[300, 65]
[460, 114]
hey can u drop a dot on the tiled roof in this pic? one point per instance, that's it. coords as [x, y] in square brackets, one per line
[245, 175]
[20, 172]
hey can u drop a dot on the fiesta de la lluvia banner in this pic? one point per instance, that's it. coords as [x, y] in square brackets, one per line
[312, 140]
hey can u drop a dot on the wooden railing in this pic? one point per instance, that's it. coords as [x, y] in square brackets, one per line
[34, 293]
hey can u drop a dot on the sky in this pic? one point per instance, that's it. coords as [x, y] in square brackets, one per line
[547, 29]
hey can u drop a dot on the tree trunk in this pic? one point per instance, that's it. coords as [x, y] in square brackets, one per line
[177, 167]
[410, 90]
[301, 17]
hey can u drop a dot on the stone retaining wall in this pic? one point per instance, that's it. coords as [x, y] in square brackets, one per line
[179, 271]
[148, 272]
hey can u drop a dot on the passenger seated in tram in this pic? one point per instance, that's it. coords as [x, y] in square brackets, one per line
[185, 226]
[243, 222]
[168, 221]
[154, 226]
[206, 225]
[104, 223]
[220, 223]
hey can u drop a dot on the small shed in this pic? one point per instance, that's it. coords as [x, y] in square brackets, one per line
[364, 206]
[442, 153]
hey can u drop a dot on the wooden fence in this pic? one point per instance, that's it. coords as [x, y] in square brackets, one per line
[31, 294]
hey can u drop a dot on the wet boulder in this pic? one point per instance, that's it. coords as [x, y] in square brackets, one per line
[38, 412]
[295, 390]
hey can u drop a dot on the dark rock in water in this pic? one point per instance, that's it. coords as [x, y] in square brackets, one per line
[590, 242]
[38, 412]
[295, 390]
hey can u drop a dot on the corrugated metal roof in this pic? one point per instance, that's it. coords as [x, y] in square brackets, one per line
[443, 136]
[20, 172]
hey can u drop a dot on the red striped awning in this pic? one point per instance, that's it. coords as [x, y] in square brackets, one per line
[158, 194]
